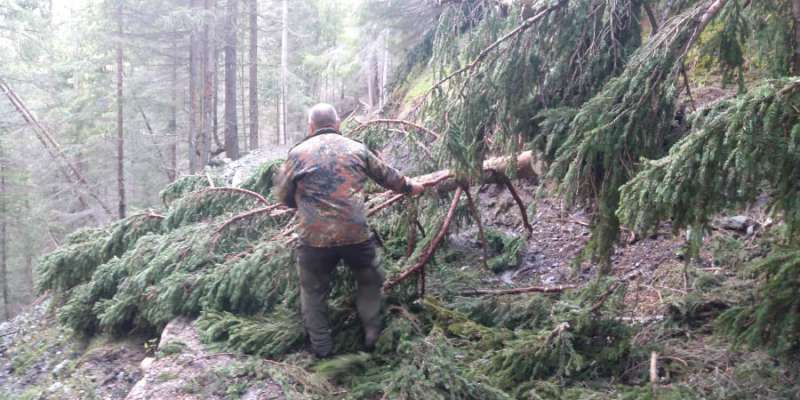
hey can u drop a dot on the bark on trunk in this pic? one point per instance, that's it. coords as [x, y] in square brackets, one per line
[4, 237]
[253, 57]
[194, 108]
[120, 131]
[231, 131]
[496, 170]
[796, 55]
[207, 113]
[173, 116]
[283, 137]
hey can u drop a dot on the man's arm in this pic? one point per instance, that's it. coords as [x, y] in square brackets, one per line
[390, 178]
[284, 184]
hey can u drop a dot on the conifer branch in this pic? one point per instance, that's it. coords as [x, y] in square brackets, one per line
[261, 199]
[485, 52]
[428, 253]
[363, 125]
[274, 210]
[477, 215]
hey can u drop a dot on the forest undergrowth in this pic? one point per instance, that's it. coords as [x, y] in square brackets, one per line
[199, 258]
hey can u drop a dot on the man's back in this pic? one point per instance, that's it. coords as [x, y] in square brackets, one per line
[324, 178]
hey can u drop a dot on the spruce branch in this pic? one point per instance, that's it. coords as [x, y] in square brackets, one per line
[486, 51]
[261, 199]
[364, 125]
[428, 252]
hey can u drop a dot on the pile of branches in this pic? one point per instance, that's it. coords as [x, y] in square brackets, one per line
[220, 254]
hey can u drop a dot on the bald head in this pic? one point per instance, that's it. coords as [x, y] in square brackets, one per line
[321, 116]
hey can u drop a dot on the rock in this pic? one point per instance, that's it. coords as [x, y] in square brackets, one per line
[737, 223]
[176, 375]
[55, 387]
[60, 367]
[146, 363]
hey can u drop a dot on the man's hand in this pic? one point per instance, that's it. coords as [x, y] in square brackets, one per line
[416, 188]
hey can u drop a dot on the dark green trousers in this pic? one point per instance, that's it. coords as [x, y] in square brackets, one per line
[316, 266]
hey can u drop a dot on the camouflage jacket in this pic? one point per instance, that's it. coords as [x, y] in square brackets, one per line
[323, 178]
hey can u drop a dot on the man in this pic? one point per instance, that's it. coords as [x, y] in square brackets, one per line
[323, 178]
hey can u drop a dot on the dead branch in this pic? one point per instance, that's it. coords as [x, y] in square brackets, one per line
[530, 289]
[53, 149]
[428, 253]
[522, 210]
[477, 215]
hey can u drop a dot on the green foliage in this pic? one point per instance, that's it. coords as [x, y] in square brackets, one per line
[263, 179]
[205, 204]
[584, 349]
[559, 61]
[426, 368]
[628, 119]
[75, 262]
[737, 148]
[183, 186]
[508, 249]
[771, 318]
[267, 336]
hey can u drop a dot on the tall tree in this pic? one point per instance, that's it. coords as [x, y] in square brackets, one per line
[209, 69]
[120, 129]
[282, 137]
[796, 55]
[253, 81]
[3, 235]
[172, 126]
[231, 131]
[194, 108]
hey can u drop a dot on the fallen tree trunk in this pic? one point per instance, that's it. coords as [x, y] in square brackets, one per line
[495, 170]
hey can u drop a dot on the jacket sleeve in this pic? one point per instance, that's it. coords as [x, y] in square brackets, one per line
[385, 175]
[284, 184]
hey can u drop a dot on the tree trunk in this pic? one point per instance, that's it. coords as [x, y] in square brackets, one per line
[283, 137]
[385, 73]
[120, 130]
[278, 119]
[173, 116]
[796, 56]
[231, 131]
[4, 236]
[215, 117]
[253, 57]
[194, 108]
[242, 94]
[206, 124]
[370, 80]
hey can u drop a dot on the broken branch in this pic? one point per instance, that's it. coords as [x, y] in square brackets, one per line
[428, 253]
[530, 289]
